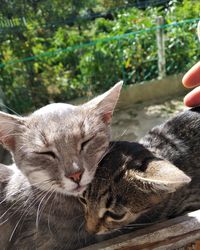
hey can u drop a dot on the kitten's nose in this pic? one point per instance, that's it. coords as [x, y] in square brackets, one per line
[75, 177]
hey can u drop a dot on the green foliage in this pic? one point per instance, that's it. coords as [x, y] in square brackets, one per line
[52, 25]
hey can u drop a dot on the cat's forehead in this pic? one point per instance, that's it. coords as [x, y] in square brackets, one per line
[57, 117]
[58, 114]
[56, 108]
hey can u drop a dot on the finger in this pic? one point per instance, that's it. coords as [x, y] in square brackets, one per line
[192, 77]
[198, 30]
[193, 98]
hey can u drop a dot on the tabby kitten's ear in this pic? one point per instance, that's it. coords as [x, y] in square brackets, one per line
[8, 129]
[163, 177]
[104, 104]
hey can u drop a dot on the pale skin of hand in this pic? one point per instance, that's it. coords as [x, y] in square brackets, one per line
[192, 79]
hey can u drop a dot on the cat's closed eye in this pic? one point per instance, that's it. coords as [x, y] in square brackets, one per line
[47, 153]
[114, 216]
[84, 143]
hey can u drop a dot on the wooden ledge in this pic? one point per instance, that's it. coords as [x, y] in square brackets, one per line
[171, 234]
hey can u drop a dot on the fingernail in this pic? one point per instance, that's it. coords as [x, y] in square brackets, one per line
[198, 30]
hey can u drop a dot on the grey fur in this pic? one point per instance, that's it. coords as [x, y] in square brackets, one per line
[39, 208]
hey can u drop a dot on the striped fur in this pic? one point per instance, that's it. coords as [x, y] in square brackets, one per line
[153, 180]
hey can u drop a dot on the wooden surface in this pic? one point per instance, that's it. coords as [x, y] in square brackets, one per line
[176, 233]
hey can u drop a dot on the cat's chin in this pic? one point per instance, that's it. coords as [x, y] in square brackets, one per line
[78, 190]
[73, 192]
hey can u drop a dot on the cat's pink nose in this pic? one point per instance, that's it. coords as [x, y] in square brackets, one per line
[75, 177]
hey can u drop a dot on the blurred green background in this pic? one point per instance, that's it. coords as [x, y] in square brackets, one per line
[55, 50]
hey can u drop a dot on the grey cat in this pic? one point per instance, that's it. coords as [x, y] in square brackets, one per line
[56, 151]
[150, 181]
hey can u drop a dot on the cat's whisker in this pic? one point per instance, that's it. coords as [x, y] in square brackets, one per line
[39, 212]
[42, 184]
[11, 215]
[22, 147]
[52, 203]
[19, 199]
[24, 214]
[8, 195]
[39, 194]
[122, 134]
[126, 209]
[19, 208]
[24, 188]
[13, 205]
[111, 231]
[139, 224]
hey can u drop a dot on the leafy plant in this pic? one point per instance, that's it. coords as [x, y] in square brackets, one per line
[59, 61]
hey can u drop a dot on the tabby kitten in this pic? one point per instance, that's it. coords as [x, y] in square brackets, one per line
[56, 151]
[150, 181]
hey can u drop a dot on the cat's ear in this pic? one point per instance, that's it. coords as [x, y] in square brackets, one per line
[104, 104]
[163, 177]
[8, 129]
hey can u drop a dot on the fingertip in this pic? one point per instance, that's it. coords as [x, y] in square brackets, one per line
[187, 102]
[185, 80]
[192, 99]
[192, 77]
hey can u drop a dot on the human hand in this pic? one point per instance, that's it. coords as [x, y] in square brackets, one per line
[192, 79]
